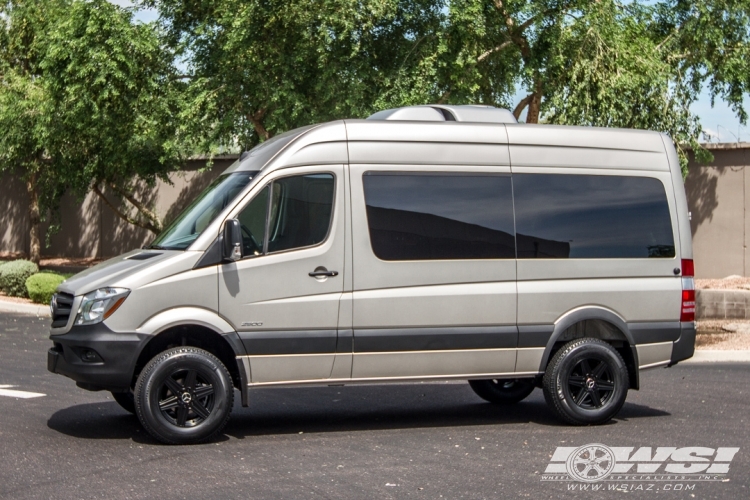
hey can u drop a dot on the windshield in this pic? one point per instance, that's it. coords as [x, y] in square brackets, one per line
[186, 228]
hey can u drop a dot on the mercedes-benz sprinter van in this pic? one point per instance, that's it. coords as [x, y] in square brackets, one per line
[424, 243]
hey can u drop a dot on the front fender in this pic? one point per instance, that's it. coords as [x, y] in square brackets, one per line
[185, 316]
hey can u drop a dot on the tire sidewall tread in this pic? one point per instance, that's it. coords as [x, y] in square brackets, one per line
[552, 383]
[167, 361]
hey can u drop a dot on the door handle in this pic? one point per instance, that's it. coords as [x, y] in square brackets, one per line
[322, 272]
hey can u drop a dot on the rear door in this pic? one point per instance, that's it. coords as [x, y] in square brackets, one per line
[283, 296]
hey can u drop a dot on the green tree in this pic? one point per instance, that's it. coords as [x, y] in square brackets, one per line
[116, 99]
[88, 101]
[611, 63]
[24, 124]
[257, 68]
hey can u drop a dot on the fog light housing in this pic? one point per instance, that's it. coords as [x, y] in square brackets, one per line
[90, 356]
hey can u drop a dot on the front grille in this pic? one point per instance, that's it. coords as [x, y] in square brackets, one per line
[62, 305]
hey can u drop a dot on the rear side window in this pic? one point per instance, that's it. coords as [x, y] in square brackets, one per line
[591, 216]
[432, 216]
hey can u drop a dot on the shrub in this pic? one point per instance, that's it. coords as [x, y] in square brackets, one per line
[14, 275]
[41, 286]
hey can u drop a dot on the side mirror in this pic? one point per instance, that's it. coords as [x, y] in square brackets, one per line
[231, 249]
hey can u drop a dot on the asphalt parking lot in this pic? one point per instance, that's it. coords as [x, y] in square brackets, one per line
[432, 440]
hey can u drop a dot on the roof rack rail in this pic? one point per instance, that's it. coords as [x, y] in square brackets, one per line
[444, 113]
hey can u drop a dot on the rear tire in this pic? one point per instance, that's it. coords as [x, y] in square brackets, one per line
[586, 382]
[503, 391]
[184, 395]
[126, 400]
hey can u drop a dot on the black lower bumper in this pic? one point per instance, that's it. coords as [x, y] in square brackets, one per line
[96, 357]
[684, 347]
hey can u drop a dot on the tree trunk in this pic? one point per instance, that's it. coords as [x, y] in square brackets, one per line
[536, 100]
[35, 247]
[257, 120]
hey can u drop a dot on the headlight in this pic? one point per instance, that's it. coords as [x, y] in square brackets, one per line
[100, 305]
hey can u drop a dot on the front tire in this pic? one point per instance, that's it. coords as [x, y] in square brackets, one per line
[184, 395]
[503, 391]
[586, 382]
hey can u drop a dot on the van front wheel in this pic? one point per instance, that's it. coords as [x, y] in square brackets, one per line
[586, 382]
[184, 395]
[503, 391]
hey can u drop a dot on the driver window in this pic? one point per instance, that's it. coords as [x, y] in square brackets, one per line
[300, 211]
[300, 215]
[253, 224]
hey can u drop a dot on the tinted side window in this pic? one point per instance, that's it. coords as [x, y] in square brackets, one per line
[253, 224]
[301, 210]
[590, 216]
[438, 216]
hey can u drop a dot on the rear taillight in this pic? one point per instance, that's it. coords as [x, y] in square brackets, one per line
[687, 313]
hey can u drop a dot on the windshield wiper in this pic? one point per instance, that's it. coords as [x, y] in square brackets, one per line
[155, 247]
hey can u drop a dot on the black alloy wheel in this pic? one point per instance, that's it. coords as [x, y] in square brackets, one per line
[586, 382]
[184, 395]
[591, 383]
[185, 398]
[503, 391]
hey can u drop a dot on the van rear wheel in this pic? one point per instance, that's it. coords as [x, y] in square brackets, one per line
[503, 391]
[586, 382]
[183, 396]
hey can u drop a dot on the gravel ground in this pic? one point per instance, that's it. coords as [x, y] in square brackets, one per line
[728, 283]
[722, 341]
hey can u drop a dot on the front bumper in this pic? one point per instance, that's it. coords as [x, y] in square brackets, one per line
[96, 357]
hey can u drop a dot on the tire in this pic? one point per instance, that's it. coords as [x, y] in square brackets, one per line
[586, 382]
[503, 391]
[184, 395]
[126, 400]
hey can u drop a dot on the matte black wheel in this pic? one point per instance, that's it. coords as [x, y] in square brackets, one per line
[184, 395]
[126, 400]
[586, 382]
[503, 391]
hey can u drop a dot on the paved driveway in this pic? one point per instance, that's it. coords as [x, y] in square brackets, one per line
[432, 440]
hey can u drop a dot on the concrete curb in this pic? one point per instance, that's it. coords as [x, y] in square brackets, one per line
[706, 356]
[38, 310]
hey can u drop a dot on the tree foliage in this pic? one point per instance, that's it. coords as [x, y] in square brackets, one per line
[88, 100]
[116, 98]
[260, 67]
[24, 118]
[608, 63]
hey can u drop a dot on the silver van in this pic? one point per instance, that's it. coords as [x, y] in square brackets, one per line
[424, 243]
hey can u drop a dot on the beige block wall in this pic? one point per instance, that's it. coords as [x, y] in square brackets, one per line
[88, 227]
[717, 199]
[717, 196]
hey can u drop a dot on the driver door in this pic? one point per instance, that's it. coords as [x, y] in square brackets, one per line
[292, 226]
